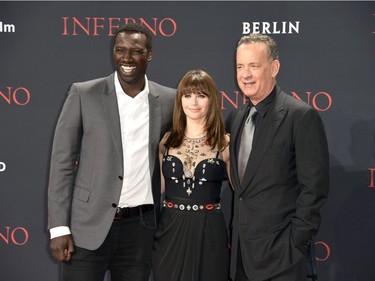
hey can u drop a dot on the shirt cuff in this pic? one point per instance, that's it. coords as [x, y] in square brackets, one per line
[59, 231]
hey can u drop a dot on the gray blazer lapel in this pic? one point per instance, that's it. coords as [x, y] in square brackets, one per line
[264, 137]
[155, 125]
[110, 106]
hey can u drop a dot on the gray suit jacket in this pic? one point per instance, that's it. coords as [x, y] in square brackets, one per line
[87, 160]
[276, 208]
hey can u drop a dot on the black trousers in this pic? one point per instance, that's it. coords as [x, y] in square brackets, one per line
[126, 253]
[296, 273]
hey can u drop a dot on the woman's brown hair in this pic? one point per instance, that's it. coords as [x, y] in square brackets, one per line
[198, 82]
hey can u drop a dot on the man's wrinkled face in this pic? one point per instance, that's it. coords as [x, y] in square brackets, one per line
[256, 72]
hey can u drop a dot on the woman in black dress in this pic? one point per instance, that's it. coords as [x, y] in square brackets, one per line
[191, 242]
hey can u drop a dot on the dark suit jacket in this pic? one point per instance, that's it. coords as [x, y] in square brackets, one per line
[276, 208]
[88, 130]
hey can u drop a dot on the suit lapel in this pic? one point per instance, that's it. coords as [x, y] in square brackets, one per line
[264, 137]
[155, 124]
[236, 135]
[110, 105]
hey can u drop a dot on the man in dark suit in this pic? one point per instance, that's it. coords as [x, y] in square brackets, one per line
[285, 181]
[104, 188]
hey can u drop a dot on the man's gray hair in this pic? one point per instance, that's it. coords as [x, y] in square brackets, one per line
[254, 38]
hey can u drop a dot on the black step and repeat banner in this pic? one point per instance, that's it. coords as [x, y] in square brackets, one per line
[327, 54]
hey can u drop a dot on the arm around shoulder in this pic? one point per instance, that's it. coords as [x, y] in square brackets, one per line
[162, 150]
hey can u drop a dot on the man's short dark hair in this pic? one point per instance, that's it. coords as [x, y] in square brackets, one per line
[137, 28]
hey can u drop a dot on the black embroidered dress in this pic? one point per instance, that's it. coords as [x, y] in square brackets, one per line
[191, 242]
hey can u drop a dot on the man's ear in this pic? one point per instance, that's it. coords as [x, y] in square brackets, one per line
[149, 56]
[275, 68]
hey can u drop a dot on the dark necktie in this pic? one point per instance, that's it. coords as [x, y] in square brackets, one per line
[246, 142]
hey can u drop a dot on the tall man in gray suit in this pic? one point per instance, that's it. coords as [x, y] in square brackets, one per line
[285, 181]
[104, 188]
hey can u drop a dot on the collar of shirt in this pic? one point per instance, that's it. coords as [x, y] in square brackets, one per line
[140, 97]
[263, 107]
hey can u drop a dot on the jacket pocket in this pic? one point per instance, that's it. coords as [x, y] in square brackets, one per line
[81, 194]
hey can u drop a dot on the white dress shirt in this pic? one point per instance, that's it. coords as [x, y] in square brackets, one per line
[134, 120]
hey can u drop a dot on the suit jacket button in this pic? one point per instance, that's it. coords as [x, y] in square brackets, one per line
[120, 177]
[114, 205]
[240, 198]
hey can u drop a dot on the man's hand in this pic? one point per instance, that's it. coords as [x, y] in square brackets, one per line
[62, 247]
